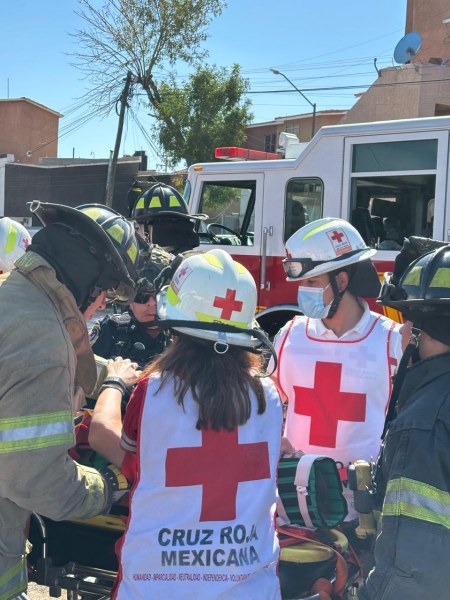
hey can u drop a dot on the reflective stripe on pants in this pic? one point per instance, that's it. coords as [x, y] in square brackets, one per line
[14, 581]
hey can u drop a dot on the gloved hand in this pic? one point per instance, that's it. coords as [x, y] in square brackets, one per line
[116, 481]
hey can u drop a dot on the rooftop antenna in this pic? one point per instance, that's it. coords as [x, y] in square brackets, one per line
[407, 47]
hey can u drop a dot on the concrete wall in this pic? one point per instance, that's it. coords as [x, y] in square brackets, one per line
[28, 130]
[404, 92]
[72, 185]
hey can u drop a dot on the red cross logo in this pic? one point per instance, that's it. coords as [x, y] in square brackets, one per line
[218, 465]
[337, 237]
[183, 272]
[327, 405]
[228, 304]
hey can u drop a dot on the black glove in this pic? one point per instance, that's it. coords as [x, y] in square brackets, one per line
[116, 481]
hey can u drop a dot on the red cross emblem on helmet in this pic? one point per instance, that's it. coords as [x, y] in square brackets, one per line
[229, 304]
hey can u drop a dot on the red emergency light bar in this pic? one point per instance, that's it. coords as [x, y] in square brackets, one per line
[234, 153]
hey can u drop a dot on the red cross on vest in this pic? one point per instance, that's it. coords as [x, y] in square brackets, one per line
[183, 271]
[228, 304]
[337, 236]
[218, 465]
[326, 404]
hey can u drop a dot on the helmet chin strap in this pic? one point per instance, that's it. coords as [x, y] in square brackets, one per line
[337, 296]
[91, 298]
[222, 327]
[410, 354]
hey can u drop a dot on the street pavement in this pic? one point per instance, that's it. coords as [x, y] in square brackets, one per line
[37, 592]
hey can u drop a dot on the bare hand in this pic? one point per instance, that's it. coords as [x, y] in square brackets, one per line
[288, 450]
[125, 369]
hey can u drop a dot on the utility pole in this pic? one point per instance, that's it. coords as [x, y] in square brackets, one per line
[113, 160]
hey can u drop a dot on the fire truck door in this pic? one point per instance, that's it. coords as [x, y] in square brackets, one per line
[234, 205]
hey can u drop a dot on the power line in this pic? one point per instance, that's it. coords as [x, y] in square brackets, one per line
[349, 87]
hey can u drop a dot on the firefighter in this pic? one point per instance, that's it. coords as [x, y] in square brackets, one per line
[135, 334]
[134, 193]
[14, 240]
[46, 366]
[335, 362]
[163, 214]
[207, 446]
[412, 549]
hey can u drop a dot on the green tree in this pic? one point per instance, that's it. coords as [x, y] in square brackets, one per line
[138, 36]
[209, 110]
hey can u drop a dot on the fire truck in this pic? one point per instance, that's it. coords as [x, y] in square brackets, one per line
[390, 179]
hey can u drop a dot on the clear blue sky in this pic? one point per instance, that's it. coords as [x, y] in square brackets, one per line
[316, 43]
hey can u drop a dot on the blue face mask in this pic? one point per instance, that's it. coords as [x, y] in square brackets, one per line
[310, 302]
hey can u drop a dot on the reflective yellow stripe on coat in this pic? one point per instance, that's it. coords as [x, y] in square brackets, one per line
[417, 500]
[36, 431]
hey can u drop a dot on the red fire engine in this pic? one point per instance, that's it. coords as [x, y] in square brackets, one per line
[389, 179]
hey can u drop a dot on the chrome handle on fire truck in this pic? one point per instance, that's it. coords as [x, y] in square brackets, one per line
[264, 285]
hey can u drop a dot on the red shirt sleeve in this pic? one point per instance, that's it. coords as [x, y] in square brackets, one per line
[130, 430]
[129, 467]
[132, 417]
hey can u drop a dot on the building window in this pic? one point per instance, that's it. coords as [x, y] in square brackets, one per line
[270, 142]
[292, 128]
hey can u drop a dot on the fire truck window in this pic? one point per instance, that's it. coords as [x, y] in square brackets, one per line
[387, 208]
[230, 209]
[411, 155]
[304, 198]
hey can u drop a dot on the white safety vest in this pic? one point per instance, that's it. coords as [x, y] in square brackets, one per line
[338, 390]
[202, 510]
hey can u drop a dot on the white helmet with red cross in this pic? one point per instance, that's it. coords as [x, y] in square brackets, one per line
[323, 246]
[14, 240]
[213, 289]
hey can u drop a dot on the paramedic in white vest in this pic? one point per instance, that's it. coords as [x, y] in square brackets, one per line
[335, 362]
[205, 430]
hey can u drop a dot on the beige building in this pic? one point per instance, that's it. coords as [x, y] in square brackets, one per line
[421, 87]
[28, 130]
[264, 136]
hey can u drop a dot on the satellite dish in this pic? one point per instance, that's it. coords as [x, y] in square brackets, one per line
[407, 47]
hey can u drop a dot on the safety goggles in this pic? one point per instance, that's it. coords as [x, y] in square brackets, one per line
[298, 267]
[144, 297]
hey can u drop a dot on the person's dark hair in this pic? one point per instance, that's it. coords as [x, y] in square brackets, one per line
[220, 383]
